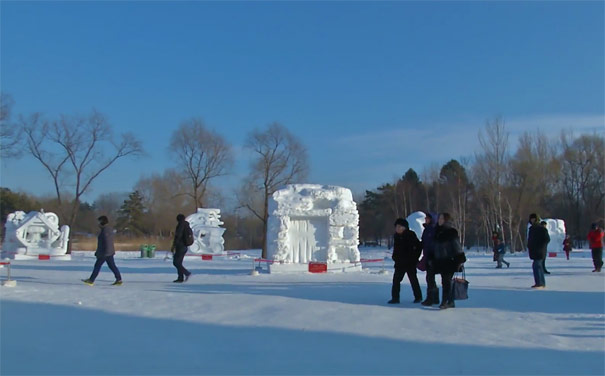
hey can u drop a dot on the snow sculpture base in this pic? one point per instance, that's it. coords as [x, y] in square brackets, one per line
[34, 234]
[9, 283]
[18, 256]
[312, 223]
[208, 234]
[335, 267]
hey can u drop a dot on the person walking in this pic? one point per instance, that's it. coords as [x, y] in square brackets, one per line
[499, 251]
[567, 245]
[428, 251]
[406, 251]
[537, 241]
[179, 248]
[449, 257]
[104, 253]
[595, 239]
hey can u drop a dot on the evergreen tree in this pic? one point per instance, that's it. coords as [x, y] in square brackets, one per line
[131, 214]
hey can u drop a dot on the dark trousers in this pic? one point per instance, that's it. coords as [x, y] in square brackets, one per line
[177, 261]
[538, 268]
[110, 263]
[430, 278]
[544, 264]
[446, 286]
[597, 258]
[398, 277]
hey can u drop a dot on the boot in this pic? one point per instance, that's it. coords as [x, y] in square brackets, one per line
[432, 297]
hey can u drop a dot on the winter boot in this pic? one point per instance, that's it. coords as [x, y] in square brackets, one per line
[88, 282]
[117, 283]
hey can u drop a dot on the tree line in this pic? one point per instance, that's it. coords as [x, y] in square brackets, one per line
[495, 188]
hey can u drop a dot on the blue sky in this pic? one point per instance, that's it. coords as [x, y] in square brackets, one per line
[371, 88]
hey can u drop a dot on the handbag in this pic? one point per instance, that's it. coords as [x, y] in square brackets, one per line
[460, 287]
[421, 264]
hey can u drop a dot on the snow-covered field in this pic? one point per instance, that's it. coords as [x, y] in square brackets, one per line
[225, 321]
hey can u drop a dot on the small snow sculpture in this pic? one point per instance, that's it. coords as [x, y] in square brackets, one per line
[312, 223]
[207, 233]
[416, 221]
[33, 234]
[556, 231]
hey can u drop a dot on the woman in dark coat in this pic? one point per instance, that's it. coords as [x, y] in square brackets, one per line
[449, 257]
[406, 251]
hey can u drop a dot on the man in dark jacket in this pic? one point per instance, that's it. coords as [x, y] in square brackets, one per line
[406, 251]
[179, 248]
[537, 241]
[104, 253]
[428, 250]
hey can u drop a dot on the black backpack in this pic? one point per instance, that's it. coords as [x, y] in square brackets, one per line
[187, 235]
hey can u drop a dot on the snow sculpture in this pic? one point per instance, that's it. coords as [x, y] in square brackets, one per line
[416, 221]
[313, 223]
[206, 231]
[556, 231]
[33, 234]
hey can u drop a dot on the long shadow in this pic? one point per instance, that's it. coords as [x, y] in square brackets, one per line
[168, 268]
[77, 341]
[376, 293]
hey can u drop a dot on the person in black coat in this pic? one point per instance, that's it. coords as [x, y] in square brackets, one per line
[449, 257]
[537, 241]
[406, 251]
[428, 250]
[104, 253]
[179, 249]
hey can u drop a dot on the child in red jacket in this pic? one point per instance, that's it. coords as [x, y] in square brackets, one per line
[567, 245]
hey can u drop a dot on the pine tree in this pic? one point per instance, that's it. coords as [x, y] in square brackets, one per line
[132, 214]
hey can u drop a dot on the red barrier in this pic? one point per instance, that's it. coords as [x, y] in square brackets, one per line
[264, 260]
[43, 257]
[207, 257]
[371, 260]
[318, 267]
[5, 263]
[552, 254]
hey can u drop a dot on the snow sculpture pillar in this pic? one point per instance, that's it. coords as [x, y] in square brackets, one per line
[207, 232]
[313, 223]
[27, 236]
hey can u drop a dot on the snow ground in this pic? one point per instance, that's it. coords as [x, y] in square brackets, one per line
[225, 321]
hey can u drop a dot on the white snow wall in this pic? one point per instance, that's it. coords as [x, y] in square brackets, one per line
[310, 222]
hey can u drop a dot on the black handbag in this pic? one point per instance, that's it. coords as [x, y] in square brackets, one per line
[460, 287]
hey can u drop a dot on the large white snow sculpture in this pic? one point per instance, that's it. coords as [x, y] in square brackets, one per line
[313, 223]
[556, 231]
[208, 234]
[416, 221]
[30, 235]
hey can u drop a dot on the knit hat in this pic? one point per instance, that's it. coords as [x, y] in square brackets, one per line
[402, 222]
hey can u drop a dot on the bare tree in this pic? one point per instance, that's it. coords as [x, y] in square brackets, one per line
[202, 155]
[279, 159]
[9, 132]
[74, 151]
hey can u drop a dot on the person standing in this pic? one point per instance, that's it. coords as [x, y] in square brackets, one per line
[545, 225]
[595, 239]
[537, 241]
[449, 257]
[428, 250]
[104, 253]
[567, 245]
[179, 248]
[406, 251]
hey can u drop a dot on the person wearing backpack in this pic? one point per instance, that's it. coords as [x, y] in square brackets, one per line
[183, 237]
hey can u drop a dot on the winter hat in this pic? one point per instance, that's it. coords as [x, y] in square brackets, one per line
[533, 216]
[180, 217]
[103, 220]
[402, 222]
